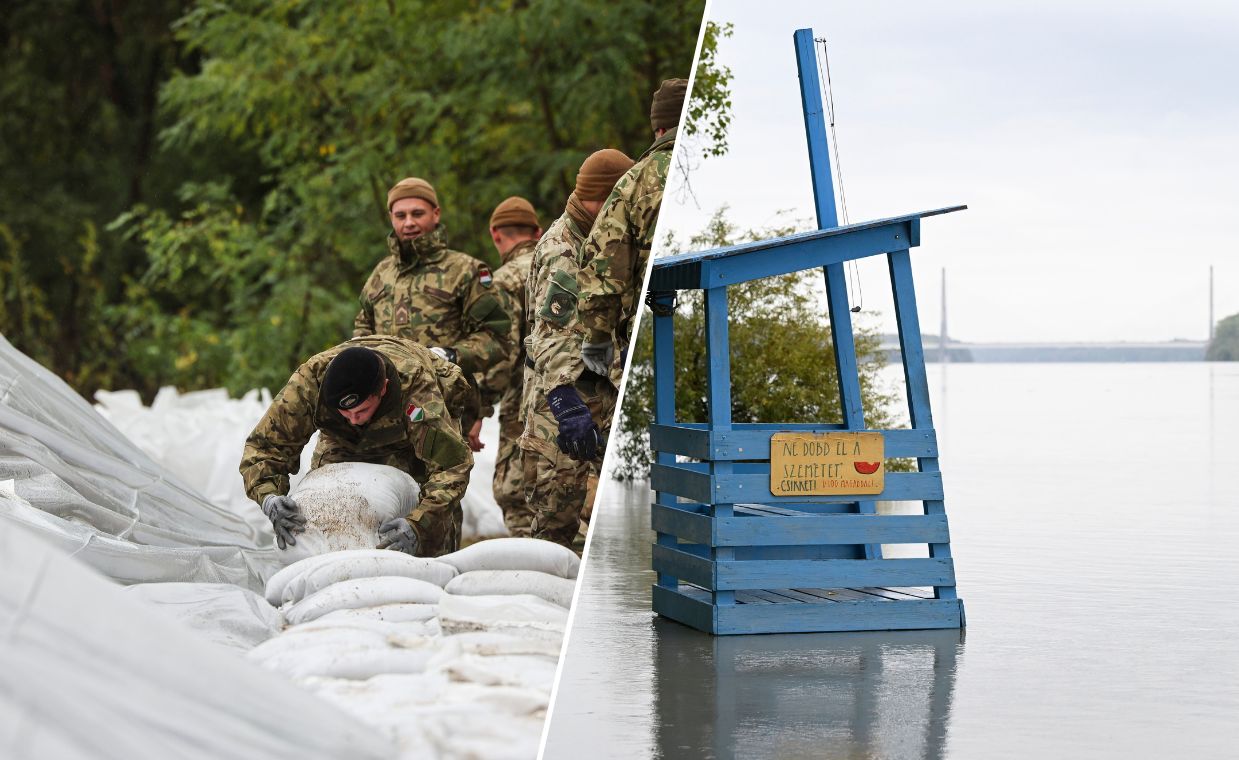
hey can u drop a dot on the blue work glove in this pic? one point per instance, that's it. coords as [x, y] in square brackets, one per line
[578, 435]
[598, 357]
[286, 518]
[398, 535]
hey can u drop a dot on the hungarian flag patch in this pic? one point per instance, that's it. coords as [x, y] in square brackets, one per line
[484, 275]
[415, 413]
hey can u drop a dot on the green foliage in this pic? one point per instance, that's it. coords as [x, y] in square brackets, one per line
[782, 365]
[709, 108]
[1225, 344]
[220, 233]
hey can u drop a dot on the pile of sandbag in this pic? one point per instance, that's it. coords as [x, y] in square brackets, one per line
[199, 437]
[450, 657]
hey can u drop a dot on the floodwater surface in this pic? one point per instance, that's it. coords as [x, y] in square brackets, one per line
[1094, 513]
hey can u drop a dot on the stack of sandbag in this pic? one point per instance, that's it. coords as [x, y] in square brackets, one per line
[345, 503]
[451, 657]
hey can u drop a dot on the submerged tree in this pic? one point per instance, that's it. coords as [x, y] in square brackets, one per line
[1225, 344]
[782, 365]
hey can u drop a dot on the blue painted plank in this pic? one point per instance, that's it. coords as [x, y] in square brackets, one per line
[830, 529]
[909, 326]
[826, 573]
[698, 528]
[680, 480]
[838, 616]
[807, 254]
[745, 442]
[692, 611]
[750, 486]
[685, 566]
[815, 129]
[664, 402]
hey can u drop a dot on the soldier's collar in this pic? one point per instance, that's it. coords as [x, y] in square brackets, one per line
[393, 399]
[666, 142]
[428, 247]
[518, 249]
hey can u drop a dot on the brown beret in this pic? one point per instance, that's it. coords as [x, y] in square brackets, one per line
[514, 211]
[412, 187]
[599, 174]
[667, 104]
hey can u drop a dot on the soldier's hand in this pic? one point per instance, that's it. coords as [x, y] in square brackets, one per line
[475, 437]
[398, 535]
[598, 357]
[578, 436]
[446, 352]
[286, 519]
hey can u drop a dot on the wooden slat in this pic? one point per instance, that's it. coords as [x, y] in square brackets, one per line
[687, 524]
[752, 441]
[749, 484]
[830, 529]
[681, 564]
[680, 439]
[825, 573]
[840, 616]
[686, 607]
[681, 480]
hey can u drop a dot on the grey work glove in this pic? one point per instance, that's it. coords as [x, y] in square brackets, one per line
[286, 518]
[598, 357]
[397, 534]
[446, 353]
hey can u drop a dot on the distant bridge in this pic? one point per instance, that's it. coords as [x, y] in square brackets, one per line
[1170, 351]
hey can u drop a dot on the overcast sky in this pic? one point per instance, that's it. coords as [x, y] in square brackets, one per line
[1094, 143]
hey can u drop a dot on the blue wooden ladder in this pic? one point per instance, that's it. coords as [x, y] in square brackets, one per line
[731, 556]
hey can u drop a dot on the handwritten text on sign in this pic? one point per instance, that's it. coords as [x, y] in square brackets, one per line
[820, 464]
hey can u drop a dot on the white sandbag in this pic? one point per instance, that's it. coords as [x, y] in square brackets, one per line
[488, 643]
[516, 554]
[299, 580]
[395, 634]
[364, 592]
[488, 582]
[230, 615]
[483, 517]
[334, 661]
[520, 670]
[391, 613]
[344, 504]
[520, 614]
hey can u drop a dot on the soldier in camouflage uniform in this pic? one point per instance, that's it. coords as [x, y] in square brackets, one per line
[556, 485]
[613, 262]
[377, 399]
[515, 229]
[425, 291]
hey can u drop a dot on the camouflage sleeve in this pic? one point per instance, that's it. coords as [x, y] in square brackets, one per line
[460, 394]
[498, 377]
[447, 459]
[273, 450]
[487, 322]
[555, 345]
[618, 245]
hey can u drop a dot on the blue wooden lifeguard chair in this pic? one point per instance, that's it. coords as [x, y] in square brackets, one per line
[774, 527]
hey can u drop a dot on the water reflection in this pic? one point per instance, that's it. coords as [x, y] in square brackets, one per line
[833, 695]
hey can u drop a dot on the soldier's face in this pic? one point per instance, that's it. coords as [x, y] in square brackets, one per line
[364, 412]
[413, 217]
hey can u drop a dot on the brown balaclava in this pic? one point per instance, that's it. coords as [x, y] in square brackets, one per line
[667, 104]
[599, 174]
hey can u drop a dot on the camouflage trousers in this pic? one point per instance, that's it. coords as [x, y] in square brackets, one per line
[438, 530]
[508, 484]
[557, 487]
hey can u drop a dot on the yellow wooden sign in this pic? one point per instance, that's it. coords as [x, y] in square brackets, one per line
[821, 464]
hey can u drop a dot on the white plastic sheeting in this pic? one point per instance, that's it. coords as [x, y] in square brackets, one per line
[88, 671]
[70, 476]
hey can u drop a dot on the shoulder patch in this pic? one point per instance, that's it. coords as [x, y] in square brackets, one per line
[415, 413]
[484, 276]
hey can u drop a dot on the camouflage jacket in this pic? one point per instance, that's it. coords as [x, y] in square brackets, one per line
[508, 376]
[424, 415]
[438, 297]
[615, 255]
[555, 334]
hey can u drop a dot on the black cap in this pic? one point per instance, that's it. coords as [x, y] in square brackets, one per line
[353, 376]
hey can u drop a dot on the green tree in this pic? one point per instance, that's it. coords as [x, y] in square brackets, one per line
[1225, 344]
[709, 107]
[782, 365]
